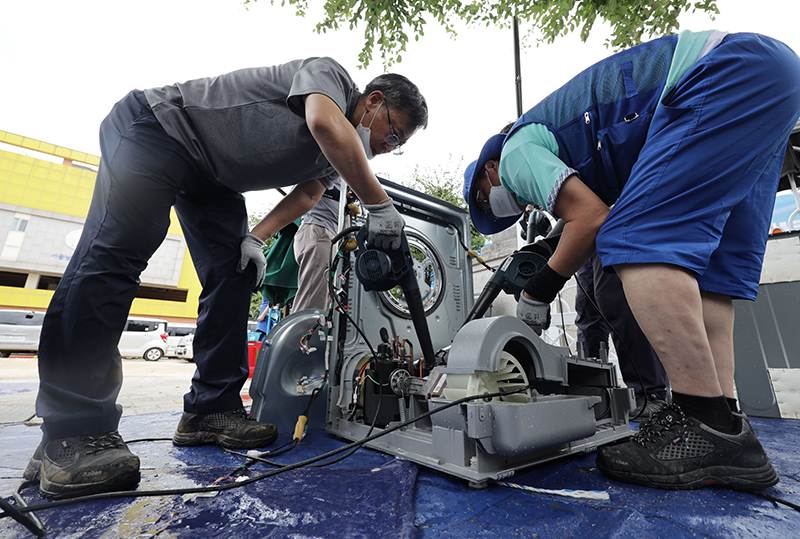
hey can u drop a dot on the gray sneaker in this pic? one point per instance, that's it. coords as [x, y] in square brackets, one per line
[81, 465]
[234, 430]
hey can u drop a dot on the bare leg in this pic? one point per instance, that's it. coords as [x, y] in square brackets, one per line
[692, 332]
[667, 303]
[718, 315]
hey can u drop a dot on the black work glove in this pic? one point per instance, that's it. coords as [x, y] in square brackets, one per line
[545, 284]
[544, 247]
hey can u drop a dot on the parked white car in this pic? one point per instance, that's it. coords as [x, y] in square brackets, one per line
[185, 350]
[19, 331]
[144, 337]
[176, 333]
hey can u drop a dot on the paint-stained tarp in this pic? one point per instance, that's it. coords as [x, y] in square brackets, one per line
[371, 495]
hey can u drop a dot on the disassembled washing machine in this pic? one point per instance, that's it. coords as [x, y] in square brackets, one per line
[435, 348]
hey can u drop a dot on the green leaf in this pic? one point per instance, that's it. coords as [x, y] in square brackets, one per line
[388, 23]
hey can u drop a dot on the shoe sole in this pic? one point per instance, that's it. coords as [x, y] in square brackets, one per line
[746, 479]
[57, 491]
[192, 439]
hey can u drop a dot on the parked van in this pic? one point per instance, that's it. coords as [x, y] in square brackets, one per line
[144, 337]
[176, 332]
[19, 332]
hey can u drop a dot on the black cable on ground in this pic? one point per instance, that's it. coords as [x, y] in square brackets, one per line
[138, 440]
[369, 432]
[248, 481]
[285, 448]
[776, 500]
[19, 513]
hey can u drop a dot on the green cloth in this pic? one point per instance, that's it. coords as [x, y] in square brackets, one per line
[280, 281]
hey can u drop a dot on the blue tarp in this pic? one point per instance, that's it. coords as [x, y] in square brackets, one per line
[372, 495]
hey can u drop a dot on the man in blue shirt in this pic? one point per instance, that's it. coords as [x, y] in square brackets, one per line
[684, 136]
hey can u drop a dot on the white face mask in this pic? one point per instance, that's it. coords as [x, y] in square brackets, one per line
[364, 132]
[502, 202]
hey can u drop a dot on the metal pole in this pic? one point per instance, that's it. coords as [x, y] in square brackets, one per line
[517, 70]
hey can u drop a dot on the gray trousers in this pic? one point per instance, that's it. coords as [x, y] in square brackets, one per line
[312, 249]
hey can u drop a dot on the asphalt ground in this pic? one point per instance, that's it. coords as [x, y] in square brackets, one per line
[148, 387]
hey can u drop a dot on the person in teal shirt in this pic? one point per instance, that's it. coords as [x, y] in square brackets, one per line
[665, 159]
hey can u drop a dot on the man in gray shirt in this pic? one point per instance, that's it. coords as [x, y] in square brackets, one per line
[196, 146]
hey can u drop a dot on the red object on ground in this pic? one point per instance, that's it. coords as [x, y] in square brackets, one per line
[252, 352]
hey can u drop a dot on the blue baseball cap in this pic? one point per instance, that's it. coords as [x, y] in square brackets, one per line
[485, 223]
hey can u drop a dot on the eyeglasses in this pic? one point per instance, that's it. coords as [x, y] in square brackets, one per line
[393, 139]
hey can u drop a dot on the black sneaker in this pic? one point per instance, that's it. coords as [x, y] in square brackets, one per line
[81, 465]
[672, 451]
[233, 430]
[644, 412]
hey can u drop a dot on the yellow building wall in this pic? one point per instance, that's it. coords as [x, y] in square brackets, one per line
[66, 188]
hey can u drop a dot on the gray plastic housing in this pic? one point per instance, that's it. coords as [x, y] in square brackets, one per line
[576, 405]
[482, 441]
[281, 365]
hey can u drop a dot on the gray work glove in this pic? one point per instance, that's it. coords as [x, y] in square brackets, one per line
[534, 313]
[252, 250]
[384, 225]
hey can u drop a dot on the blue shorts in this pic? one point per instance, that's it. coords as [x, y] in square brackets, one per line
[701, 193]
